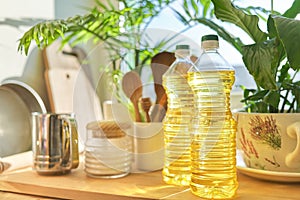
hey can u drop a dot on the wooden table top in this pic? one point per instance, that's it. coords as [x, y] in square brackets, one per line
[77, 185]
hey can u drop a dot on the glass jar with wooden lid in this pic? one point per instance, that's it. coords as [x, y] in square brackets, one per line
[108, 149]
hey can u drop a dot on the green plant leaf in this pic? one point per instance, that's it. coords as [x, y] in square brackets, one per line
[272, 98]
[261, 60]
[247, 93]
[294, 10]
[296, 93]
[259, 11]
[234, 41]
[259, 95]
[271, 28]
[195, 6]
[226, 11]
[261, 107]
[284, 73]
[206, 6]
[289, 32]
[256, 106]
[274, 34]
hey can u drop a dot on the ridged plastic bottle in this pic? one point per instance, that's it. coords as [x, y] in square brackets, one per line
[213, 145]
[176, 124]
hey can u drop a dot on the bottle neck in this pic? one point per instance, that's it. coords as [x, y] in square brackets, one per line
[182, 53]
[210, 50]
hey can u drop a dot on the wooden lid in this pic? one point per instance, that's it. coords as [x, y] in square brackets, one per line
[109, 129]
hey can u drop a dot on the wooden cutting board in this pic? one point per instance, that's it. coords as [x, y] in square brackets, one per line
[142, 186]
[77, 185]
[68, 87]
[61, 71]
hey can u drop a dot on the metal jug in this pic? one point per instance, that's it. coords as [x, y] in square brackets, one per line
[54, 143]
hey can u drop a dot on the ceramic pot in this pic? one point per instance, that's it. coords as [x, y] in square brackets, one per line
[269, 141]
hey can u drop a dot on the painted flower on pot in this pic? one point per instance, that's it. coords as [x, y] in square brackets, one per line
[265, 130]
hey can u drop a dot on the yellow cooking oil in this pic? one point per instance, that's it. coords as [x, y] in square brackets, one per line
[213, 145]
[176, 124]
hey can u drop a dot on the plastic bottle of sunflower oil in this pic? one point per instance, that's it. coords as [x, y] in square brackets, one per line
[176, 124]
[213, 145]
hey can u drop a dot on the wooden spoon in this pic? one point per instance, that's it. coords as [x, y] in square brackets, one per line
[146, 105]
[132, 87]
[160, 63]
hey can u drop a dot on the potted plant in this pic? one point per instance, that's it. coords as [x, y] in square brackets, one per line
[272, 109]
[272, 59]
[121, 29]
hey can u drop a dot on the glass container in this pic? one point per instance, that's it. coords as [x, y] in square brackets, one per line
[108, 149]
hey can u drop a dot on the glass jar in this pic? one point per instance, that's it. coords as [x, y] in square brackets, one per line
[108, 149]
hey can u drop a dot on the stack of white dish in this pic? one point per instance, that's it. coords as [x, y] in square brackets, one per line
[17, 100]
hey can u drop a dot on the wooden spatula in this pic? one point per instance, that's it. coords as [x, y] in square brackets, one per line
[132, 87]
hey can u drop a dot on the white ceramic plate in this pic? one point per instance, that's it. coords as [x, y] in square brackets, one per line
[287, 177]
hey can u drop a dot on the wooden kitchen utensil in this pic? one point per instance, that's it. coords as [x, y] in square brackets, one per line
[160, 63]
[146, 105]
[132, 87]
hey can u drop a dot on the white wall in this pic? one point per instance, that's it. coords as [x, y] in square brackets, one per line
[12, 62]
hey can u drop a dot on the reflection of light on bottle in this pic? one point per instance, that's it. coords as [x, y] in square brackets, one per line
[177, 160]
[213, 147]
